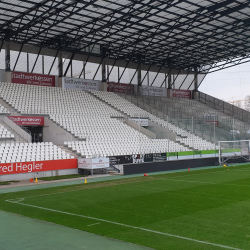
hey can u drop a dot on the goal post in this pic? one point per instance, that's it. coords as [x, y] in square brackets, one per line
[233, 149]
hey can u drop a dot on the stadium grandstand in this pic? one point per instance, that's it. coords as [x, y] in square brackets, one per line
[117, 82]
[106, 141]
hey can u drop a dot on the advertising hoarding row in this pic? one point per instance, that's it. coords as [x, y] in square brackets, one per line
[27, 120]
[120, 88]
[87, 84]
[36, 166]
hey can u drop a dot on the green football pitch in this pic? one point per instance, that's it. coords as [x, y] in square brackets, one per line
[200, 209]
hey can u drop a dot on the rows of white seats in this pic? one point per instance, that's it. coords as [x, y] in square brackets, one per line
[135, 111]
[5, 133]
[25, 152]
[90, 149]
[121, 104]
[85, 116]
[3, 110]
[29, 99]
[191, 140]
[98, 128]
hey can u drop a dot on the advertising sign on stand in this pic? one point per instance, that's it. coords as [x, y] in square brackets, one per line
[94, 163]
[142, 121]
[120, 88]
[27, 120]
[33, 79]
[213, 122]
[80, 84]
[153, 91]
[180, 93]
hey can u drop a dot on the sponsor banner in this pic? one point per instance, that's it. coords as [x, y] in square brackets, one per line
[172, 154]
[197, 152]
[81, 84]
[234, 132]
[138, 158]
[120, 88]
[160, 157]
[180, 93]
[142, 122]
[244, 151]
[94, 163]
[121, 159]
[36, 166]
[148, 157]
[33, 79]
[214, 122]
[153, 91]
[27, 120]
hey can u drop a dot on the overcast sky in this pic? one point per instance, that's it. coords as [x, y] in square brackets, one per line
[228, 84]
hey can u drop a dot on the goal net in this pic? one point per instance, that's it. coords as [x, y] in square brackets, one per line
[233, 149]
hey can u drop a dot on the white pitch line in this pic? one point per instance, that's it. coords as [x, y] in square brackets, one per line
[129, 226]
[93, 224]
[202, 182]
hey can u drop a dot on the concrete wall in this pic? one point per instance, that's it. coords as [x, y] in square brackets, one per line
[104, 86]
[16, 128]
[27, 176]
[161, 132]
[55, 134]
[146, 132]
[7, 76]
[2, 75]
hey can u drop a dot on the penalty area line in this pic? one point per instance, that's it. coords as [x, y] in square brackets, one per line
[124, 225]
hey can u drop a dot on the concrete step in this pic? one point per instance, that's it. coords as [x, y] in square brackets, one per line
[18, 137]
[67, 150]
[12, 110]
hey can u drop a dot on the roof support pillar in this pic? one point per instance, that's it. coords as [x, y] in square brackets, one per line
[103, 62]
[195, 80]
[60, 64]
[139, 82]
[169, 80]
[104, 74]
[7, 56]
[195, 91]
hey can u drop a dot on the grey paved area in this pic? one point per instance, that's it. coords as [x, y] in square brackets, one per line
[21, 233]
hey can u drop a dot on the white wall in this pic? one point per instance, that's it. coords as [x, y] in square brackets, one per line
[55, 134]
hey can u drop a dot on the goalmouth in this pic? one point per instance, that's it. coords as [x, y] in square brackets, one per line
[233, 150]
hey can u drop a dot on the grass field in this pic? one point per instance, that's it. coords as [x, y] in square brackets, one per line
[200, 209]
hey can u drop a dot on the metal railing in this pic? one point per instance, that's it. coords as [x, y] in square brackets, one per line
[225, 107]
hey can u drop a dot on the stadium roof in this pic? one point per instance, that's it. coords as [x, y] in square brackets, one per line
[179, 34]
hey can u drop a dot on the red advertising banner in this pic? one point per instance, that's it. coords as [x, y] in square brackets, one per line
[36, 166]
[27, 120]
[33, 79]
[120, 88]
[213, 122]
[181, 93]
